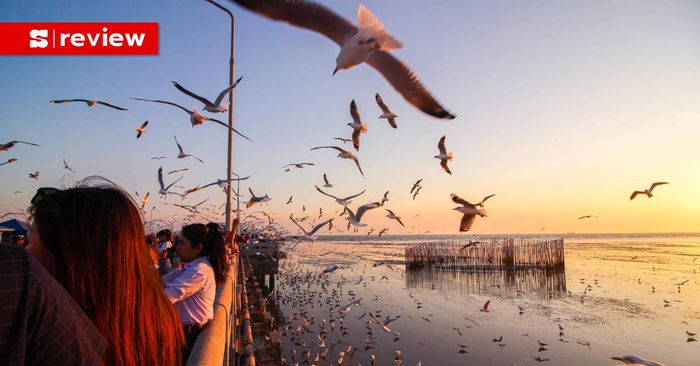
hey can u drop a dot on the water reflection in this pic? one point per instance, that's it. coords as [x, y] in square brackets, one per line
[537, 283]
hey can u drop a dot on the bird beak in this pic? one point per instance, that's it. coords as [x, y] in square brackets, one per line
[336, 70]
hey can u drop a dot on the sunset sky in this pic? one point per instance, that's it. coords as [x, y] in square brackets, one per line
[564, 108]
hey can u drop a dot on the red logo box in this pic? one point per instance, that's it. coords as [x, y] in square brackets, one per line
[78, 38]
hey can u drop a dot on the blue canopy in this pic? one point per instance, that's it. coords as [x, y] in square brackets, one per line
[20, 227]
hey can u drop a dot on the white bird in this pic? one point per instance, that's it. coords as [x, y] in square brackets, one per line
[393, 216]
[309, 235]
[341, 201]
[217, 106]
[219, 182]
[354, 218]
[634, 360]
[470, 211]
[178, 170]
[357, 126]
[163, 189]
[11, 144]
[66, 167]
[256, 199]
[144, 200]
[369, 42]
[343, 154]
[444, 156]
[181, 154]
[416, 185]
[141, 129]
[325, 180]
[380, 323]
[34, 175]
[298, 165]
[386, 113]
[196, 117]
[9, 161]
[342, 139]
[90, 103]
[647, 191]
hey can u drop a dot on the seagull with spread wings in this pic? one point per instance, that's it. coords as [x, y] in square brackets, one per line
[354, 218]
[343, 154]
[217, 106]
[647, 191]
[341, 201]
[141, 129]
[219, 182]
[635, 360]
[385, 198]
[416, 185]
[587, 217]
[11, 144]
[298, 165]
[90, 103]
[326, 184]
[386, 113]
[163, 189]
[34, 175]
[444, 156]
[256, 199]
[181, 154]
[309, 235]
[357, 126]
[144, 200]
[368, 42]
[196, 117]
[66, 167]
[469, 210]
[393, 216]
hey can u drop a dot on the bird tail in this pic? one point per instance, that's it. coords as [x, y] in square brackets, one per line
[450, 156]
[368, 22]
[481, 212]
[388, 115]
[364, 127]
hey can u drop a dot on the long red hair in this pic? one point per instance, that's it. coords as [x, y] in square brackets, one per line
[96, 235]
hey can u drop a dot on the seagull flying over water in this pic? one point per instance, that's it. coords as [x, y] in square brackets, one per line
[354, 218]
[90, 103]
[634, 360]
[141, 129]
[256, 199]
[386, 113]
[341, 201]
[309, 235]
[393, 216]
[181, 154]
[368, 42]
[196, 117]
[647, 191]
[357, 126]
[11, 144]
[217, 106]
[470, 211]
[343, 154]
[444, 156]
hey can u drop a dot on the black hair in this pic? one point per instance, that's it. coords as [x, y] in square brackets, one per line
[212, 239]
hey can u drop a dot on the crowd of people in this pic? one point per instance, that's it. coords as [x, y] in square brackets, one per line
[88, 290]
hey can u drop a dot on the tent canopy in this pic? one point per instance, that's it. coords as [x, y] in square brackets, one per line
[20, 227]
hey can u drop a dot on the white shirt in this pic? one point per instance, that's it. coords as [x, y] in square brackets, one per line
[192, 289]
[164, 246]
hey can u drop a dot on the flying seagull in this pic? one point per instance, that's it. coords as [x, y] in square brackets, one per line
[444, 156]
[587, 217]
[309, 235]
[178, 170]
[383, 231]
[163, 189]
[141, 129]
[219, 182]
[196, 117]
[327, 183]
[217, 106]
[342, 139]
[181, 154]
[11, 144]
[485, 309]
[416, 192]
[298, 165]
[357, 126]
[416, 184]
[481, 204]
[9, 161]
[341, 201]
[634, 360]
[470, 211]
[354, 218]
[386, 113]
[370, 42]
[393, 216]
[255, 199]
[90, 103]
[647, 191]
[343, 154]
[34, 175]
[289, 200]
[144, 200]
[66, 167]
[385, 198]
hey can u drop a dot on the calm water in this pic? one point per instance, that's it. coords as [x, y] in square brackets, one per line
[609, 302]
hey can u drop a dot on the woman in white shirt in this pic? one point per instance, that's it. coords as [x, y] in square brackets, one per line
[192, 289]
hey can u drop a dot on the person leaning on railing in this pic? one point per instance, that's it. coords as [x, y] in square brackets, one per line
[193, 288]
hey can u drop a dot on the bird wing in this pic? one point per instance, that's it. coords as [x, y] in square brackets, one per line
[635, 193]
[461, 201]
[67, 101]
[224, 92]
[200, 160]
[443, 164]
[381, 104]
[441, 146]
[329, 147]
[356, 138]
[390, 211]
[172, 184]
[362, 209]
[193, 95]
[656, 184]
[325, 180]
[353, 196]
[160, 179]
[357, 162]
[251, 191]
[484, 200]
[164, 102]
[111, 105]
[319, 226]
[354, 113]
[179, 147]
[399, 220]
[486, 305]
[287, 165]
[225, 125]
[143, 125]
[304, 14]
[341, 139]
[407, 84]
[297, 224]
[392, 122]
[327, 194]
[24, 142]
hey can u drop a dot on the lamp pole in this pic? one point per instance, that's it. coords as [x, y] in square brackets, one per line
[238, 197]
[229, 168]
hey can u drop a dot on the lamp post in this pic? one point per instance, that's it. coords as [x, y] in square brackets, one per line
[238, 197]
[229, 168]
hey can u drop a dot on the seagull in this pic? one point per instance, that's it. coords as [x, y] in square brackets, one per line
[481, 204]
[66, 167]
[219, 182]
[90, 103]
[141, 129]
[34, 175]
[636, 361]
[215, 107]
[309, 235]
[393, 216]
[325, 180]
[647, 191]
[383, 231]
[368, 42]
[444, 156]
[342, 139]
[9, 145]
[385, 198]
[485, 309]
[344, 154]
[587, 217]
[178, 170]
[299, 165]
[196, 117]
[471, 244]
[144, 200]
[182, 155]
[380, 323]
[416, 184]
[341, 201]
[157, 157]
[255, 199]
[386, 113]
[9, 161]
[163, 189]
[416, 192]
[470, 211]
[289, 200]
[354, 219]
[357, 126]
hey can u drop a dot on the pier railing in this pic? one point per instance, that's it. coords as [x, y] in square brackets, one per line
[488, 254]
